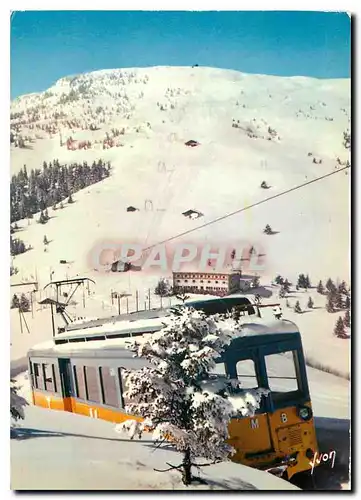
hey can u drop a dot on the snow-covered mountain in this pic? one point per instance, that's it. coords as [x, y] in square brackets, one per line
[249, 129]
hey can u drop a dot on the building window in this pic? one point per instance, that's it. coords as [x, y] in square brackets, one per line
[91, 378]
[186, 281]
[49, 381]
[209, 281]
[216, 281]
[178, 281]
[109, 386]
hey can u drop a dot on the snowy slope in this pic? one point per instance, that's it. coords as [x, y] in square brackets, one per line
[220, 175]
[76, 452]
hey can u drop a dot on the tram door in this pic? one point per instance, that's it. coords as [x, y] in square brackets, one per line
[66, 383]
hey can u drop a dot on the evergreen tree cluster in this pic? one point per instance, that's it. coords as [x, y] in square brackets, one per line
[303, 281]
[42, 188]
[17, 246]
[338, 297]
[21, 303]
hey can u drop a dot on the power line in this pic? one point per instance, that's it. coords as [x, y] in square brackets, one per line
[247, 207]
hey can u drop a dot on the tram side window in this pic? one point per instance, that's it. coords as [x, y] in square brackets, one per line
[57, 377]
[124, 387]
[38, 376]
[50, 384]
[246, 374]
[111, 394]
[91, 377]
[282, 373]
[80, 382]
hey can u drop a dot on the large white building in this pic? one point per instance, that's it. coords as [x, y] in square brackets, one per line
[213, 283]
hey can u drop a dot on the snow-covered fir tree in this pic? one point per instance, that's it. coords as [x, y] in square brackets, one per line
[339, 330]
[330, 286]
[342, 288]
[347, 302]
[268, 229]
[163, 288]
[320, 288]
[310, 303]
[17, 403]
[177, 397]
[297, 307]
[24, 305]
[330, 304]
[347, 319]
[279, 280]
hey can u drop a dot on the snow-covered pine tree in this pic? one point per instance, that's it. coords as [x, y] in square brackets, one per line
[42, 219]
[310, 303]
[286, 286]
[268, 229]
[302, 281]
[320, 288]
[307, 281]
[330, 304]
[279, 280]
[347, 302]
[15, 302]
[175, 394]
[339, 300]
[24, 303]
[282, 292]
[339, 330]
[297, 307]
[342, 288]
[330, 286]
[163, 288]
[347, 319]
[17, 402]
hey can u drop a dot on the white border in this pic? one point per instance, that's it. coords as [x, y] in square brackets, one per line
[350, 6]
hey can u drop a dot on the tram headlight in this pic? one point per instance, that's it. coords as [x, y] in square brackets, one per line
[305, 413]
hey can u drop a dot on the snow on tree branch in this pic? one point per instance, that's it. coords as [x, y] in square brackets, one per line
[176, 395]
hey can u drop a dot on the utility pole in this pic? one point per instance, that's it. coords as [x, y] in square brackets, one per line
[21, 324]
[127, 306]
[118, 303]
[136, 299]
[149, 299]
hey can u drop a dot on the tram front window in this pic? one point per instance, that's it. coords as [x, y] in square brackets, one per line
[246, 374]
[282, 374]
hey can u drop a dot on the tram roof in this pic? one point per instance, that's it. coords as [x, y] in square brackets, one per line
[121, 334]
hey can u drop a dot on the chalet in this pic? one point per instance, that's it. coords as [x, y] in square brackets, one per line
[192, 214]
[192, 143]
